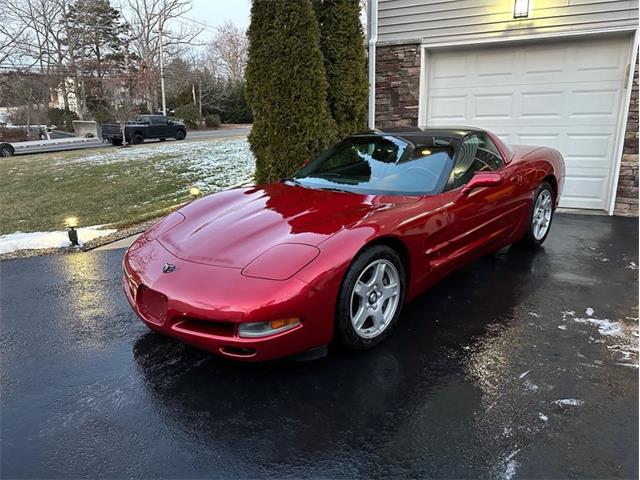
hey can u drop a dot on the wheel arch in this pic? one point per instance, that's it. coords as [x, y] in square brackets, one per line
[551, 179]
[398, 246]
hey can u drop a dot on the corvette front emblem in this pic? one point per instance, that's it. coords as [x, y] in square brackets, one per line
[168, 268]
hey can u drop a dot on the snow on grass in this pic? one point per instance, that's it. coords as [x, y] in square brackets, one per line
[121, 186]
[59, 239]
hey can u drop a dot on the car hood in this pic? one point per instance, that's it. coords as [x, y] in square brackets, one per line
[232, 228]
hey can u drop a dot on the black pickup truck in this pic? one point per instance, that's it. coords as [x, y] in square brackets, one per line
[143, 127]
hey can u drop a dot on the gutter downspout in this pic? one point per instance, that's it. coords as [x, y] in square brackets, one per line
[372, 34]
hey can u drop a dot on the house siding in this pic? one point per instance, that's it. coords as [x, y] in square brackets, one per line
[436, 21]
[627, 193]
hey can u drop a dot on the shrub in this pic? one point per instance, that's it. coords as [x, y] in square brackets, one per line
[342, 44]
[189, 114]
[62, 118]
[212, 121]
[286, 88]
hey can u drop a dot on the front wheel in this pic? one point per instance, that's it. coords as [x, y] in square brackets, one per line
[371, 298]
[137, 139]
[540, 217]
[181, 135]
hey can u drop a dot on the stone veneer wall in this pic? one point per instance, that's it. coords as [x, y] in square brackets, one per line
[627, 194]
[397, 85]
[397, 93]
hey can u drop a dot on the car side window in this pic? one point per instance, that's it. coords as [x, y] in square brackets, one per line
[158, 120]
[477, 154]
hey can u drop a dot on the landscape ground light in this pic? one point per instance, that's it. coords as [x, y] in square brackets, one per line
[71, 223]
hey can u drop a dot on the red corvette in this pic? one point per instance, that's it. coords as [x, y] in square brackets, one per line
[334, 252]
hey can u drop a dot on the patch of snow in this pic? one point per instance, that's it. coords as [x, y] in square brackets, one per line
[605, 326]
[589, 311]
[511, 466]
[522, 375]
[571, 402]
[562, 327]
[542, 417]
[534, 314]
[632, 365]
[632, 266]
[57, 239]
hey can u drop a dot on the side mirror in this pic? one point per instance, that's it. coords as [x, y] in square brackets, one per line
[482, 179]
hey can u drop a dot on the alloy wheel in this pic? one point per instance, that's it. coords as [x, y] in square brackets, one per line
[542, 214]
[375, 298]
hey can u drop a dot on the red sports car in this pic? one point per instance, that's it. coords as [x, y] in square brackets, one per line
[334, 252]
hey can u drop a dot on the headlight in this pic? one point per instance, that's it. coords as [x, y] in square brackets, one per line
[164, 225]
[262, 329]
[281, 262]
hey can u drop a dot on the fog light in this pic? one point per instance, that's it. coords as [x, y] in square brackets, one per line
[262, 329]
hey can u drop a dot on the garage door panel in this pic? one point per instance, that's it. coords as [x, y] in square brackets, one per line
[565, 95]
[493, 106]
[538, 105]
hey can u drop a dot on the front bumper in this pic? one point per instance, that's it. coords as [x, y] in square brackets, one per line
[203, 305]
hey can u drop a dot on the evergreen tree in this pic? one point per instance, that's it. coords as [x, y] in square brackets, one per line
[286, 88]
[342, 44]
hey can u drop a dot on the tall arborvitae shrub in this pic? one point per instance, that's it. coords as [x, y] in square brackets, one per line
[286, 88]
[343, 46]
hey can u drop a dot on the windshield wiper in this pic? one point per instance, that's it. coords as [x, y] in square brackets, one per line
[292, 180]
[334, 189]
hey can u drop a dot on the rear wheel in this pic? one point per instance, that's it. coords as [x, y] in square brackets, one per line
[181, 135]
[137, 139]
[371, 298]
[540, 217]
[6, 150]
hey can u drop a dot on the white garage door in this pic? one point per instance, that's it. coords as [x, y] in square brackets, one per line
[564, 94]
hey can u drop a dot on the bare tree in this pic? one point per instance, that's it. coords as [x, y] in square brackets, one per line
[14, 35]
[227, 52]
[146, 17]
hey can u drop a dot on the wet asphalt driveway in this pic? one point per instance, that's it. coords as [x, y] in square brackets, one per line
[517, 366]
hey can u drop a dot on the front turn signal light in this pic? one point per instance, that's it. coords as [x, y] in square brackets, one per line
[262, 329]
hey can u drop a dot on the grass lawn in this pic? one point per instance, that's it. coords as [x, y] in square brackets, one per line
[119, 186]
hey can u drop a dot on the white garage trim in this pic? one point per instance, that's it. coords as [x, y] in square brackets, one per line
[617, 139]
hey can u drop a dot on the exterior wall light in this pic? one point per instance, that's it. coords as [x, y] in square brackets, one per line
[521, 8]
[71, 223]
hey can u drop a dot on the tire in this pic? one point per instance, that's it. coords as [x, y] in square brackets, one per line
[137, 139]
[162, 139]
[541, 211]
[370, 308]
[116, 142]
[6, 150]
[181, 135]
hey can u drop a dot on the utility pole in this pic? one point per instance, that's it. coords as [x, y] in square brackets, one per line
[164, 101]
[127, 100]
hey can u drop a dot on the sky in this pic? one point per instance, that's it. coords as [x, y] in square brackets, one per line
[216, 12]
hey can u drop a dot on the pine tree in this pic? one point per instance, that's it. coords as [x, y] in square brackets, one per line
[342, 44]
[286, 88]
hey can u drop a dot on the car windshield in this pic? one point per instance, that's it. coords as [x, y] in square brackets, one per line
[382, 165]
